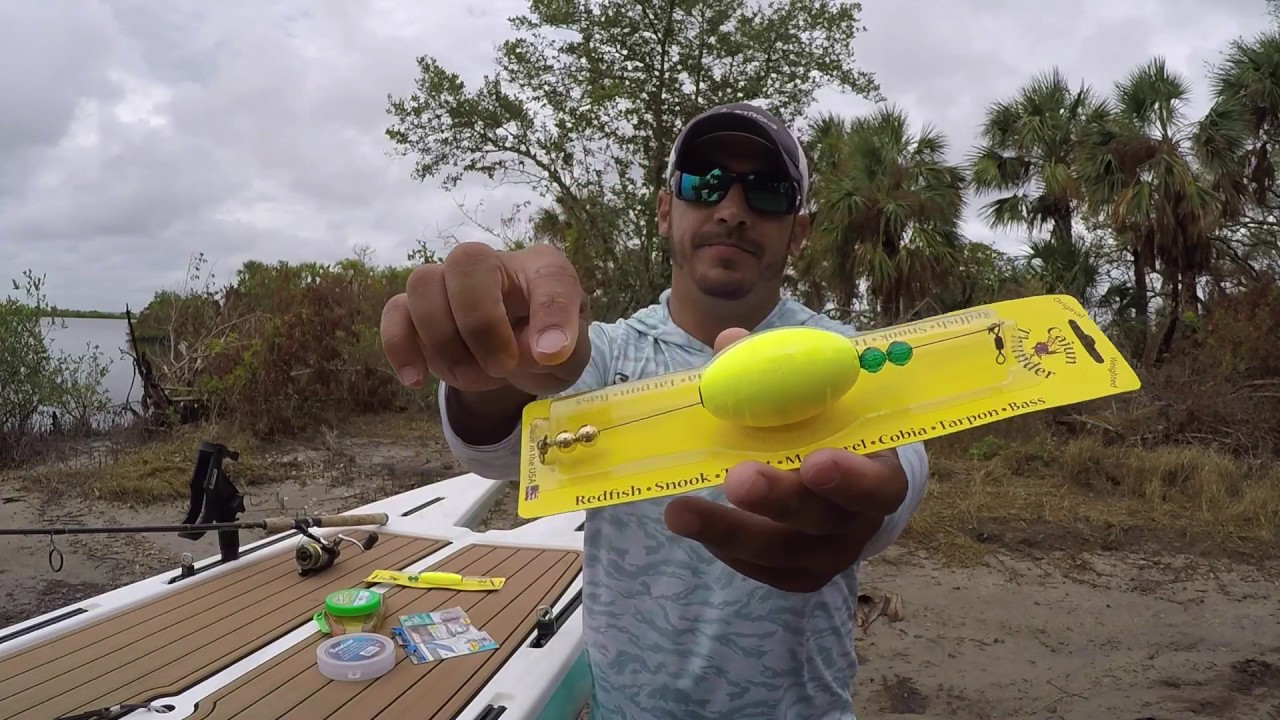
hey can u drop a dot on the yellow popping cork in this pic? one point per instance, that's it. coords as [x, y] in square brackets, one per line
[779, 376]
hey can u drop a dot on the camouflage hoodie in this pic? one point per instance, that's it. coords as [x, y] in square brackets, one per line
[670, 631]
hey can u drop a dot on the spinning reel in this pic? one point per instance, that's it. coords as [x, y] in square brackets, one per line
[315, 554]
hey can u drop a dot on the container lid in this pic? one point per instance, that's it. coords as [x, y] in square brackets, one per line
[359, 656]
[353, 602]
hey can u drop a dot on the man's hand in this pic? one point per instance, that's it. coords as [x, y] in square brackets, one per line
[794, 530]
[484, 320]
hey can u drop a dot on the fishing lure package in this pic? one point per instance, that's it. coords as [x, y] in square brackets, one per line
[445, 580]
[777, 395]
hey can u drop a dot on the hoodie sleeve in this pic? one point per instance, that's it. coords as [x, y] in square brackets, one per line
[501, 461]
[915, 463]
[914, 460]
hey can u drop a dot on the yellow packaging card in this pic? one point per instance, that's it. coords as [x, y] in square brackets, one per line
[920, 380]
[445, 580]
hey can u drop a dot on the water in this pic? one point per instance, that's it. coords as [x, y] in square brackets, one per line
[111, 337]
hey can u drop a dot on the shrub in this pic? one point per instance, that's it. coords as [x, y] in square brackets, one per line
[282, 348]
[42, 392]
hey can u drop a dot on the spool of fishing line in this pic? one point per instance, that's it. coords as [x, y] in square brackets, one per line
[351, 610]
[356, 657]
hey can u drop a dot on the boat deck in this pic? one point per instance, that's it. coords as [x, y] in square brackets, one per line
[165, 646]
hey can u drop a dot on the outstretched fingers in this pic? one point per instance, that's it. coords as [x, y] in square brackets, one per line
[475, 281]
[732, 532]
[555, 304]
[400, 342]
[874, 484]
[783, 497]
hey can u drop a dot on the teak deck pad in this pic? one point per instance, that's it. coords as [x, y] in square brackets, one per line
[170, 643]
[289, 687]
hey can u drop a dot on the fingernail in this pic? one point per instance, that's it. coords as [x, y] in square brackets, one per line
[752, 488]
[410, 376]
[684, 524]
[823, 482]
[551, 340]
[824, 475]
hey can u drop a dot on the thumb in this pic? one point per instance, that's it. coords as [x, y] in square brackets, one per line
[728, 337]
[555, 301]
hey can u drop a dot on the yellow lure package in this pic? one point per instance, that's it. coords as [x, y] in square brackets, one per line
[432, 579]
[779, 394]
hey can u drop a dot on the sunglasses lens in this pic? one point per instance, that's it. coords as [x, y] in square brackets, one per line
[769, 197]
[763, 195]
[701, 188]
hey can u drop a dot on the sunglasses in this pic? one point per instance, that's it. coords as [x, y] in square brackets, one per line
[764, 193]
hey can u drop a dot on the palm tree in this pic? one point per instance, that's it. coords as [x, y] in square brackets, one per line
[1029, 147]
[805, 279]
[1249, 76]
[1163, 182]
[1066, 265]
[888, 207]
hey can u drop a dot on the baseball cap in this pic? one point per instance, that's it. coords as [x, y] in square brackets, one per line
[745, 119]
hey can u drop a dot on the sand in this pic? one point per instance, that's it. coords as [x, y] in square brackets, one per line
[1112, 636]
[1022, 635]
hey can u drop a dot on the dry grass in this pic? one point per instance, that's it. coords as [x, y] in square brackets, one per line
[1081, 493]
[137, 472]
[408, 427]
[1018, 486]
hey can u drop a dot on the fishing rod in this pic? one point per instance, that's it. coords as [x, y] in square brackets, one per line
[312, 556]
[216, 502]
[271, 525]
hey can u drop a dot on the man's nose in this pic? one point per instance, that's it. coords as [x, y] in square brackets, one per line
[733, 210]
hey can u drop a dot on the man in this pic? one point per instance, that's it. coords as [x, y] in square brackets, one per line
[730, 602]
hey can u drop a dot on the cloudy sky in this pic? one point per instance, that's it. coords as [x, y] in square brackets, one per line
[133, 133]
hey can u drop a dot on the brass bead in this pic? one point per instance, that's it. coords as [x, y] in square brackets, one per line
[587, 435]
[565, 441]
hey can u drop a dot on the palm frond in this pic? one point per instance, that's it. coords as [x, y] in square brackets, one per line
[888, 207]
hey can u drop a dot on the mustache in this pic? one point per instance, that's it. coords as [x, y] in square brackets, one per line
[737, 239]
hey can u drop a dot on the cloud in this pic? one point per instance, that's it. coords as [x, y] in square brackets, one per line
[137, 133]
[946, 62]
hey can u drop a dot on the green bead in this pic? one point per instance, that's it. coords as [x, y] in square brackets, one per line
[872, 359]
[899, 353]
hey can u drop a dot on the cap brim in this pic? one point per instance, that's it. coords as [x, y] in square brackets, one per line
[722, 123]
[735, 135]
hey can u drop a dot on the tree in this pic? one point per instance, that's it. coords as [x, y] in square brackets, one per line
[1165, 182]
[586, 101]
[1029, 148]
[889, 207]
[1064, 265]
[976, 274]
[1249, 77]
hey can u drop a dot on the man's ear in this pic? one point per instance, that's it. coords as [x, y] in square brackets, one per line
[664, 214]
[799, 233]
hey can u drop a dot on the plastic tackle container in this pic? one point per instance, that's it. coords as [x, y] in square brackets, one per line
[353, 610]
[356, 657]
